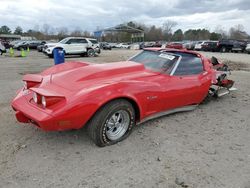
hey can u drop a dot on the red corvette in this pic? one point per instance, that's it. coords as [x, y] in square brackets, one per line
[111, 98]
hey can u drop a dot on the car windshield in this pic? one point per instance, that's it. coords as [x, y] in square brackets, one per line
[156, 61]
[94, 41]
[63, 41]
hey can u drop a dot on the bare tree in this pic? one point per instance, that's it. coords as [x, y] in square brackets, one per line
[62, 32]
[46, 28]
[237, 32]
[168, 26]
[77, 32]
[86, 34]
[219, 29]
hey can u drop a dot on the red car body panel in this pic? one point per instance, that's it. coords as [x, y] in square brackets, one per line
[174, 45]
[84, 88]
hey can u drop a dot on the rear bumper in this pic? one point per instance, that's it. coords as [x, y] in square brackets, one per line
[27, 113]
[47, 119]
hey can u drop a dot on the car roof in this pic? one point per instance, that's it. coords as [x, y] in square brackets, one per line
[173, 50]
[80, 38]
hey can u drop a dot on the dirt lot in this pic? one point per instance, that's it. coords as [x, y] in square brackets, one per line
[207, 147]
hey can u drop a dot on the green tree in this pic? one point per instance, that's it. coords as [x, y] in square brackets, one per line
[215, 36]
[178, 35]
[5, 30]
[18, 30]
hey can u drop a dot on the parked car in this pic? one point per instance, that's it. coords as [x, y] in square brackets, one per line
[40, 48]
[27, 44]
[74, 46]
[198, 45]
[111, 98]
[113, 44]
[230, 45]
[21, 45]
[2, 49]
[175, 45]
[123, 45]
[105, 46]
[12, 43]
[248, 48]
[157, 44]
[209, 46]
[189, 45]
[5, 43]
[149, 44]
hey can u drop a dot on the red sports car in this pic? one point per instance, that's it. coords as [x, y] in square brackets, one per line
[175, 45]
[111, 98]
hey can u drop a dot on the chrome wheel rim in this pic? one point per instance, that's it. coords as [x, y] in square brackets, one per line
[91, 53]
[117, 125]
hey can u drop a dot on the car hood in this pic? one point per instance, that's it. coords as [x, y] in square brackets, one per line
[51, 44]
[100, 74]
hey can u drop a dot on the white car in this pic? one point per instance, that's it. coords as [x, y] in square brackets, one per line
[74, 46]
[198, 45]
[123, 45]
[248, 48]
[2, 49]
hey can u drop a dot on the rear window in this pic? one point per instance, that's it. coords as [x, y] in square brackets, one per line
[94, 41]
[190, 64]
[156, 61]
[82, 41]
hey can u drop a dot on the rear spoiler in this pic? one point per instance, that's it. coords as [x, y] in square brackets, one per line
[33, 78]
[46, 93]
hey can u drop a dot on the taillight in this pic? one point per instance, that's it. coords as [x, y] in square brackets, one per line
[36, 98]
[49, 101]
[44, 102]
[29, 84]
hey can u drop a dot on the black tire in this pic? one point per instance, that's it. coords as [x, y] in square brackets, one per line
[97, 126]
[91, 52]
[1, 52]
[223, 49]
[50, 55]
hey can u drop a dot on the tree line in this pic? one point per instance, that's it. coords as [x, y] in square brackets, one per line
[165, 32]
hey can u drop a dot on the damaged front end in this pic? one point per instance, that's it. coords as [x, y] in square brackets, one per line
[221, 84]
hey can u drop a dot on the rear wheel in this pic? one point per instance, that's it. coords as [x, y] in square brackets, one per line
[112, 123]
[1, 52]
[223, 49]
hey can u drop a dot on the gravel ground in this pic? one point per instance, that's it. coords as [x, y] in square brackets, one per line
[207, 147]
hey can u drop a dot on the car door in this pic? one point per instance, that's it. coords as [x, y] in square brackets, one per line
[69, 46]
[187, 84]
[83, 44]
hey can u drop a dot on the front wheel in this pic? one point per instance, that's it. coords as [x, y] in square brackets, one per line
[112, 123]
[91, 52]
[50, 55]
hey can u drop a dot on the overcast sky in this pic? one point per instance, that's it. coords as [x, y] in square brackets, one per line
[87, 15]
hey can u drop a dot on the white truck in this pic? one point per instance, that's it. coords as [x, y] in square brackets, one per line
[74, 46]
